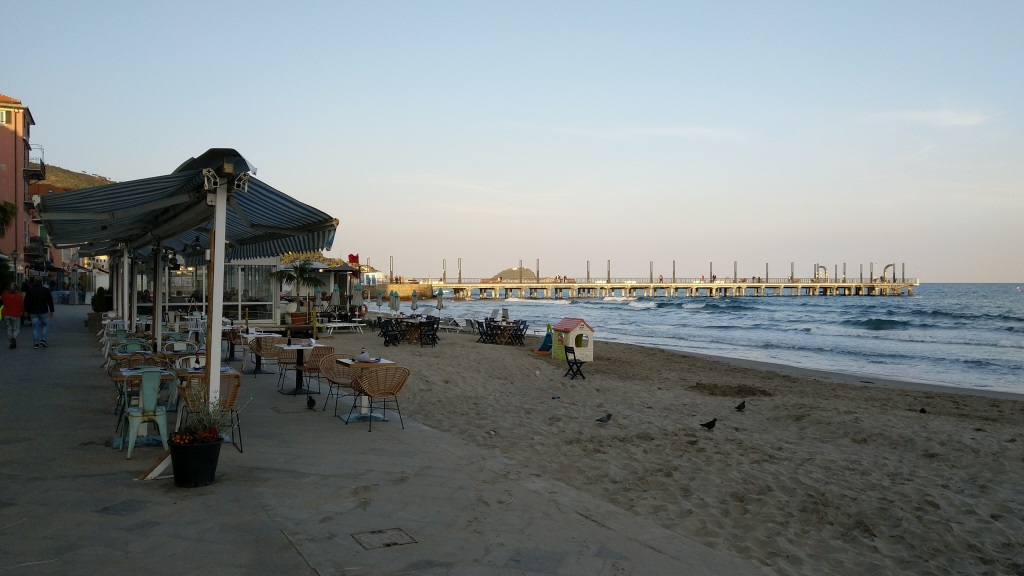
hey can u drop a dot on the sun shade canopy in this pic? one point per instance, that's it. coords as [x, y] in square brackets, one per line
[176, 212]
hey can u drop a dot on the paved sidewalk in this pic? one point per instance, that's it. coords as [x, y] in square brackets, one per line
[300, 500]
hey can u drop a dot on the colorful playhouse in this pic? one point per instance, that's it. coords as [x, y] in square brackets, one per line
[573, 332]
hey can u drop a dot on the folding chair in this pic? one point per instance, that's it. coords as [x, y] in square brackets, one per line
[575, 366]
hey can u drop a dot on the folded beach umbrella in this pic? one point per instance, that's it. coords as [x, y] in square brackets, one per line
[357, 295]
[395, 302]
[412, 303]
[440, 299]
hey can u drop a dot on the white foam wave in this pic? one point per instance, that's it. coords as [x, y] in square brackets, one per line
[619, 299]
[538, 301]
[643, 305]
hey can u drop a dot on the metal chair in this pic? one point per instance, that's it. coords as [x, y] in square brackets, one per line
[147, 410]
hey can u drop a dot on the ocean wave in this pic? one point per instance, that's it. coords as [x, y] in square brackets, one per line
[878, 324]
[538, 301]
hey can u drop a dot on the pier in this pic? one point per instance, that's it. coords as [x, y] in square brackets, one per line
[572, 289]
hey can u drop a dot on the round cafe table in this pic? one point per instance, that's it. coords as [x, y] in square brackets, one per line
[300, 350]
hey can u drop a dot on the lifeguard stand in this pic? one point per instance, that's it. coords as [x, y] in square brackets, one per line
[573, 332]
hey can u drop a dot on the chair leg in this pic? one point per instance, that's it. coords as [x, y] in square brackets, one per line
[399, 410]
[330, 392]
[355, 399]
[236, 424]
[133, 432]
[161, 423]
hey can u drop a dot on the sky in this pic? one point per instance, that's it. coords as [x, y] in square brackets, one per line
[647, 135]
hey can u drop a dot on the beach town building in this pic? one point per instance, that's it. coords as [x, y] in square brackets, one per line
[21, 164]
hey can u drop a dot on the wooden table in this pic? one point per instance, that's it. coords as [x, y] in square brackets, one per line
[505, 332]
[411, 330]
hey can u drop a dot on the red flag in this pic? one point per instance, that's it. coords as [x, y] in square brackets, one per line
[353, 258]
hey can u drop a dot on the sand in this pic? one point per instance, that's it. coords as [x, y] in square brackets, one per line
[821, 474]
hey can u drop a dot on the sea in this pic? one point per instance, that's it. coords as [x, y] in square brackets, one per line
[960, 335]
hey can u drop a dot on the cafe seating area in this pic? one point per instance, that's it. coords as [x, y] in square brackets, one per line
[505, 332]
[410, 329]
[153, 384]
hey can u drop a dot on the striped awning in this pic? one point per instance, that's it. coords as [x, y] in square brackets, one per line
[172, 212]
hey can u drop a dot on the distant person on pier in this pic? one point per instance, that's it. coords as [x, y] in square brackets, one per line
[661, 278]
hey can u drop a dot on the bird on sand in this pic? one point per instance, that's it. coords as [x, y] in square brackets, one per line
[605, 419]
[741, 406]
[710, 425]
[923, 411]
[310, 403]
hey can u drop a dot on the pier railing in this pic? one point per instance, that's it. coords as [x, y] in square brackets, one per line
[647, 281]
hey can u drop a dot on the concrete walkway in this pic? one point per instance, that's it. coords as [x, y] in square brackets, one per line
[310, 495]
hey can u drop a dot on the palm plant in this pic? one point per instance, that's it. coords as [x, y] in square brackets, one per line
[303, 274]
[8, 212]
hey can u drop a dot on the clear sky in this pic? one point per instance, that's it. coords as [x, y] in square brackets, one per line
[567, 131]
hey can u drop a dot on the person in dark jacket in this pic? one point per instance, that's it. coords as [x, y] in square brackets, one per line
[39, 305]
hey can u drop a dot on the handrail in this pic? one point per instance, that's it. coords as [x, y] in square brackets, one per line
[644, 281]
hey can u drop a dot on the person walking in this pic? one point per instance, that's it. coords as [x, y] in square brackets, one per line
[13, 309]
[39, 305]
[25, 285]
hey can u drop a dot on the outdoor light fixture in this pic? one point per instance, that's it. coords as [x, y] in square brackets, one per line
[196, 245]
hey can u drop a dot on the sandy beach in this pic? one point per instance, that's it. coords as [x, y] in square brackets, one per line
[821, 473]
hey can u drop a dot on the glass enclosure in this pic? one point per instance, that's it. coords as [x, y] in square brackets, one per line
[248, 292]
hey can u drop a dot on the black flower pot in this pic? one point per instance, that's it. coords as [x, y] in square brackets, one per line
[194, 464]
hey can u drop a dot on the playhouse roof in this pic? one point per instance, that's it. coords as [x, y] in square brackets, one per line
[569, 324]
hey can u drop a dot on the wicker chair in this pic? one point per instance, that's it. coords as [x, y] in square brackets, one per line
[288, 360]
[380, 386]
[266, 348]
[182, 347]
[230, 387]
[339, 378]
[311, 364]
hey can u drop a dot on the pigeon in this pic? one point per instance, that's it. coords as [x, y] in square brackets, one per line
[710, 425]
[310, 403]
[923, 411]
[605, 419]
[741, 406]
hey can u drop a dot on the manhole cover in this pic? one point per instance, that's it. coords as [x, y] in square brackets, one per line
[383, 538]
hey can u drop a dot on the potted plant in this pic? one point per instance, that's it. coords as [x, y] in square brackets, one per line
[195, 447]
[304, 275]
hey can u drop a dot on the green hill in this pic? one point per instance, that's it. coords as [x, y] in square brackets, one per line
[513, 274]
[60, 178]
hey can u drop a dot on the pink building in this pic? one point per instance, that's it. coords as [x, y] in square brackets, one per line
[21, 164]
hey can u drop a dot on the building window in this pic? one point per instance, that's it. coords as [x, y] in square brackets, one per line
[6, 116]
